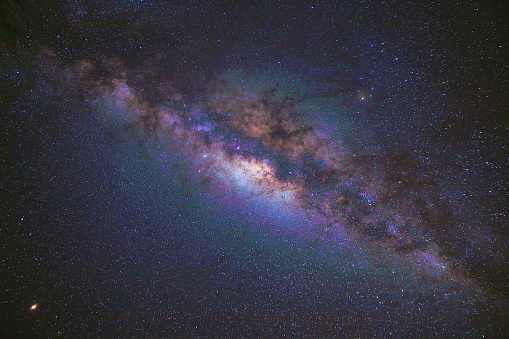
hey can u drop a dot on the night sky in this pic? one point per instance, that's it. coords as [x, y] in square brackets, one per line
[204, 169]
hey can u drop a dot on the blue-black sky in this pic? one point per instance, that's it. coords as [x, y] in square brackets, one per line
[254, 168]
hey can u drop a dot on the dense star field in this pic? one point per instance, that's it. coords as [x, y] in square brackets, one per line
[254, 169]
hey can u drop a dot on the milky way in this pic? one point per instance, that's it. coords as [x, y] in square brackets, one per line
[260, 141]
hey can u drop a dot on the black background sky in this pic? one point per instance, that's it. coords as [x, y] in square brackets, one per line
[111, 240]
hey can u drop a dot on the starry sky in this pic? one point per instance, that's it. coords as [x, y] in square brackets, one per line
[202, 169]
